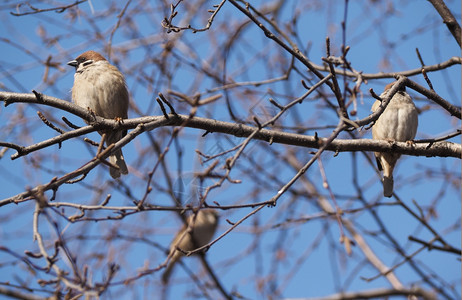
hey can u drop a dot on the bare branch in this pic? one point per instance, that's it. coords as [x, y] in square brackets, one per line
[448, 19]
[59, 9]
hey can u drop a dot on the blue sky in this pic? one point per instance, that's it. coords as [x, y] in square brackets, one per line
[378, 44]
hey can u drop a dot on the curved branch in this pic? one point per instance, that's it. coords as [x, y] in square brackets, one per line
[34, 10]
[9, 98]
[432, 68]
[380, 293]
[440, 149]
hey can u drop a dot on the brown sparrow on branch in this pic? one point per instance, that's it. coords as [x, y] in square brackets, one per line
[202, 226]
[397, 123]
[100, 87]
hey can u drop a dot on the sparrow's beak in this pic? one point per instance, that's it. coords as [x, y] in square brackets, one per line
[73, 63]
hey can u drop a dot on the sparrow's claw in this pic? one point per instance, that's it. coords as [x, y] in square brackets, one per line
[391, 141]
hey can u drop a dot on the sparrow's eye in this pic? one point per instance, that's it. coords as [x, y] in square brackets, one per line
[87, 62]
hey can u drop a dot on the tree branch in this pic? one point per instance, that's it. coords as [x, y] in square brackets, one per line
[417, 71]
[448, 19]
[435, 149]
[379, 293]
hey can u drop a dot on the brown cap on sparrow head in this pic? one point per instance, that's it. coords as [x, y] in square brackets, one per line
[100, 87]
[397, 123]
[203, 227]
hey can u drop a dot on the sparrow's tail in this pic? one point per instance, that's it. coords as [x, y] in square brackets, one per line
[168, 272]
[118, 159]
[387, 186]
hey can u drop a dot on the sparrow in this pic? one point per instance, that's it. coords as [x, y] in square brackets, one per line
[203, 227]
[397, 123]
[101, 88]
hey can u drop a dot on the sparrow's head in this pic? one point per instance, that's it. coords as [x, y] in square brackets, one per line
[208, 216]
[390, 85]
[86, 59]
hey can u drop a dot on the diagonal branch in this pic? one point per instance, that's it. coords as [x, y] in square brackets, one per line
[448, 19]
